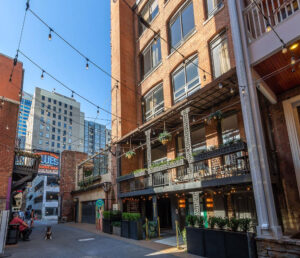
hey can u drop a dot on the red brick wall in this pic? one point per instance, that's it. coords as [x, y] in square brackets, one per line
[8, 122]
[69, 160]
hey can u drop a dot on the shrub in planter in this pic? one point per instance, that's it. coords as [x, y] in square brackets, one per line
[201, 221]
[212, 221]
[116, 225]
[245, 224]
[164, 137]
[221, 222]
[233, 224]
[191, 220]
[135, 224]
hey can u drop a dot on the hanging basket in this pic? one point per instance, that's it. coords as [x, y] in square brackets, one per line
[88, 168]
[164, 137]
[216, 116]
[129, 154]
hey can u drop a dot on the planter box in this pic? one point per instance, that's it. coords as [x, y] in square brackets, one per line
[125, 228]
[169, 165]
[107, 227]
[136, 230]
[117, 231]
[215, 243]
[235, 147]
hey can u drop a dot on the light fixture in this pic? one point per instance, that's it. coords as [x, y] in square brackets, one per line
[87, 64]
[284, 49]
[231, 90]
[294, 46]
[72, 95]
[204, 77]
[293, 69]
[20, 94]
[268, 28]
[42, 75]
[143, 103]
[293, 60]
[98, 111]
[220, 85]
[243, 90]
[50, 36]
[7, 127]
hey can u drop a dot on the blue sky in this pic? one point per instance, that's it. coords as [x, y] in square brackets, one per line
[86, 24]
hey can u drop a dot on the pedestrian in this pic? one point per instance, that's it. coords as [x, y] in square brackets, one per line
[32, 218]
[23, 226]
[28, 216]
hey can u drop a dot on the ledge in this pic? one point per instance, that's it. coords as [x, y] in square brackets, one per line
[131, 175]
[171, 164]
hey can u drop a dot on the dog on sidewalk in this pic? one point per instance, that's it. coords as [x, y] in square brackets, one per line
[48, 234]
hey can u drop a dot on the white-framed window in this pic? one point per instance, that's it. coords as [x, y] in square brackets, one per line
[150, 57]
[220, 54]
[149, 12]
[185, 79]
[181, 25]
[154, 102]
[212, 6]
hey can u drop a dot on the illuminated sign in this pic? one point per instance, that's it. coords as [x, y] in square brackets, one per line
[49, 162]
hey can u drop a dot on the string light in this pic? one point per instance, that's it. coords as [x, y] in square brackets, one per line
[50, 35]
[42, 75]
[293, 60]
[284, 49]
[231, 90]
[87, 64]
[268, 28]
[7, 127]
[220, 85]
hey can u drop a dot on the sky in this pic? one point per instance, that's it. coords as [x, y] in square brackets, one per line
[85, 24]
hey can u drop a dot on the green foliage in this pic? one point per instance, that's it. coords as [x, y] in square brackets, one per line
[164, 137]
[166, 162]
[139, 170]
[131, 216]
[212, 221]
[233, 223]
[201, 221]
[85, 183]
[216, 115]
[245, 224]
[116, 224]
[191, 220]
[88, 173]
[129, 154]
[221, 222]
[184, 235]
[106, 214]
[152, 229]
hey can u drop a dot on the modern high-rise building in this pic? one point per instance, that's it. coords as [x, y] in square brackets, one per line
[23, 118]
[55, 123]
[96, 136]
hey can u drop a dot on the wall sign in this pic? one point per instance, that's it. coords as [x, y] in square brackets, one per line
[49, 163]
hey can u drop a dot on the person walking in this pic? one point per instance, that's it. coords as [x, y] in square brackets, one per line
[32, 218]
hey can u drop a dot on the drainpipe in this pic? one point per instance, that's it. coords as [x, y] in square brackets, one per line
[262, 188]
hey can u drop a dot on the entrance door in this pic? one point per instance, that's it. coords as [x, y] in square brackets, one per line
[88, 212]
[292, 117]
[164, 212]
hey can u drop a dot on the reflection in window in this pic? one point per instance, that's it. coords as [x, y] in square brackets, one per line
[230, 129]
[220, 54]
[186, 79]
[212, 6]
[148, 13]
[154, 103]
[181, 25]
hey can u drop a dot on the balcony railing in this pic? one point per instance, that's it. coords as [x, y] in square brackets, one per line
[26, 161]
[275, 11]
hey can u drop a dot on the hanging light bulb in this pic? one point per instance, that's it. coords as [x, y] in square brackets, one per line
[243, 90]
[7, 127]
[284, 49]
[268, 28]
[98, 111]
[20, 94]
[153, 132]
[193, 119]
[87, 64]
[220, 85]
[50, 35]
[231, 90]
[204, 77]
[42, 75]
[72, 95]
[293, 60]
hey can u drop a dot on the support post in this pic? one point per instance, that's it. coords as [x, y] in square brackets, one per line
[196, 203]
[149, 159]
[154, 204]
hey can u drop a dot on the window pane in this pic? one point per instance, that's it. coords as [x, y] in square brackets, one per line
[153, 10]
[192, 71]
[158, 96]
[147, 61]
[149, 103]
[175, 32]
[230, 129]
[156, 54]
[188, 19]
[179, 80]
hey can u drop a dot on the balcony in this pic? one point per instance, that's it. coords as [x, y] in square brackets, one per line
[25, 168]
[223, 166]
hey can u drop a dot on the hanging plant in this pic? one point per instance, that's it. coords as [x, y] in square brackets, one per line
[164, 137]
[216, 115]
[88, 168]
[129, 154]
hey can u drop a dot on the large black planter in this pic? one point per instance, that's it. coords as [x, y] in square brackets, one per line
[107, 227]
[136, 230]
[125, 227]
[213, 243]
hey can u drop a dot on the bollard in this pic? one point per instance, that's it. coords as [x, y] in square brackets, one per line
[177, 237]
[158, 226]
[147, 233]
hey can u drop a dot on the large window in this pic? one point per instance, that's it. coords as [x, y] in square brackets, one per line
[154, 103]
[181, 25]
[219, 54]
[186, 79]
[212, 6]
[230, 129]
[148, 13]
[150, 57]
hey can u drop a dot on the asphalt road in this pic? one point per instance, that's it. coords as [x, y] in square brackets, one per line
[73, 242]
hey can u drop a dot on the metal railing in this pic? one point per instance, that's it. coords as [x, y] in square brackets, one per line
[27, 163]
[160, 178]
[276, 11]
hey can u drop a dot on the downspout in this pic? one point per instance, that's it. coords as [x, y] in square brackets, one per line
[259, 180]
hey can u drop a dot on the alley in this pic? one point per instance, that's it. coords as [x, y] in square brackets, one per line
[69, 241]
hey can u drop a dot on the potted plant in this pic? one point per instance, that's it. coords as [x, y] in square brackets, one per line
[88, 168]
[221, 222]
[191, 220]
[245, 224]
[233, 224]
[107, 227]
[130, 154]
[164, 137]
[135, 224]
[125, 224]
[116, 228]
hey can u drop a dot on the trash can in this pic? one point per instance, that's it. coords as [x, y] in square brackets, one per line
[12, 235]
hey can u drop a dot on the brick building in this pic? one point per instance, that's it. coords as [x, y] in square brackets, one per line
[9, 107]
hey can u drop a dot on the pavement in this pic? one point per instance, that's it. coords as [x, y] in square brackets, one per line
[72, 240]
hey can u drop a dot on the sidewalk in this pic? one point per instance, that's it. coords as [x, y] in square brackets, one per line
[158, 248]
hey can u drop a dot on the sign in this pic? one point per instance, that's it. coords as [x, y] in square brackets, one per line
[99, 203]
[49, 163]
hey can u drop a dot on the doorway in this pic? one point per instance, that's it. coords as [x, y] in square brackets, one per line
[164, 212]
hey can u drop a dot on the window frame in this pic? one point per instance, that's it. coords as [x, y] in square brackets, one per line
[146, 6]
[152, 111]
[213, 11]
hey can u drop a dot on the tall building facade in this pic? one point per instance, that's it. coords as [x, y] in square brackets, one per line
[189, 135]
[23, 118]
[55, 123]
[96, 136]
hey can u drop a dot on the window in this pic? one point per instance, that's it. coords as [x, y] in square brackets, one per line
[69, 147]
[53, 129]
[230, 129]
[70, 120]
[41, 134]
[40, 142]
[186, 79]
[181, 25]
[59, 103]
[59, 110]
[150, 57]
[48, 128]
[58, 145]
[219, 54]
[52, 144]
[71, 107]
[54, 115]
[48, 121]
[66, 105]
[41, 127]
[148, 13]
[58, 130]
[154, 103]
[59, 123]
[70, 140]
[70, 113]
[53, 138]
[54, 101]
[212, 6]
[54, 109]
[49, 107]
[65, 112]
[59, 117]
[64, 139]
[65, 125]
[58, 137]
[42, 111]
[49, 100]
[43, 97]
[64, 132]
[65, 118]
[47, 135]
[48, 114]
[43, 104]
[53, 122]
